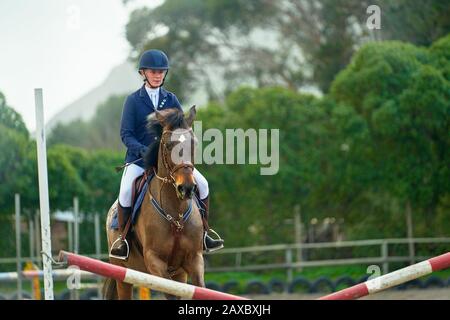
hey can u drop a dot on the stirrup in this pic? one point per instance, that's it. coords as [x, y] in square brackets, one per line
[124, 258]
[206, 249]
[216, 234]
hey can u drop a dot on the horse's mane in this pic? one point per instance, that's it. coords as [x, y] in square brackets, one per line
[173, 119]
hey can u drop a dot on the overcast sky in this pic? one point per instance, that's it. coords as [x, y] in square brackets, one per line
[66, 47]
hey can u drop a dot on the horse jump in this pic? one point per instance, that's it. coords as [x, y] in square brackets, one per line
[142, 279]
[392, 279]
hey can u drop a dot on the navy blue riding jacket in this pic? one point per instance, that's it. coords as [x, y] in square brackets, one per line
[138, 106]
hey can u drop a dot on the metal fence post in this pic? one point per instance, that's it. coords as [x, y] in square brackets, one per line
[238, 259]
[298, 234]
[74, 293]
[98, 250]
[37, 234]
[76, 225]
[18, 248]
[31, 238]
[385, 255]
[290, 275]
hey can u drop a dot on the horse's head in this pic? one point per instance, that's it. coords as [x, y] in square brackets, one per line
[173, 150]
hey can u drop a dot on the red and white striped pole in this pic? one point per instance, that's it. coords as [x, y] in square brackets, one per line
[392, 279]
[142, 279]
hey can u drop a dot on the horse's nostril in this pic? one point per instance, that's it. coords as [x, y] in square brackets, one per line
[190, 191]
[180, 188]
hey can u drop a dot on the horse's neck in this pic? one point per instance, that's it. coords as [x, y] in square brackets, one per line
[166, 196]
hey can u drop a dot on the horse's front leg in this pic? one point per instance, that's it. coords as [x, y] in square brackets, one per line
[154, 264]
[195, 268]
[180, 276]
[156, 267]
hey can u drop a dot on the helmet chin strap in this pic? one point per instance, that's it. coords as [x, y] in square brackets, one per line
[146, 79]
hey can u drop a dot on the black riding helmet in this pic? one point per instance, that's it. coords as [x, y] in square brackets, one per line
[155, 60]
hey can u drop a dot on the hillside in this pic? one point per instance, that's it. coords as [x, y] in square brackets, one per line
[121, 80]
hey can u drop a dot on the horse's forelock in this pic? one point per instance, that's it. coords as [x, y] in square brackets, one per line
[173, 119]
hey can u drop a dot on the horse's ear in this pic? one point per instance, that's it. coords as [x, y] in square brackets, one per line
[159, 116]
[191, 116]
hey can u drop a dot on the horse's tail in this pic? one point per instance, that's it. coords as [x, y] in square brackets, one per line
[109, 290]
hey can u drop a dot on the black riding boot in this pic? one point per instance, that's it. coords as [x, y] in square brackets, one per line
[121, 247]
[209, 244]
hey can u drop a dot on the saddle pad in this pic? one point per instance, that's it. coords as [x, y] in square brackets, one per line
[137, 204]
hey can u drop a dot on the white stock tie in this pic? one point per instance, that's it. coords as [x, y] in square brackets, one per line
[155, 100]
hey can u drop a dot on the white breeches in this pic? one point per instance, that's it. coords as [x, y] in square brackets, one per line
[132, 171]
[202, 184]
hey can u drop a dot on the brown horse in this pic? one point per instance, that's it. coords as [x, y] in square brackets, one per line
[164, 246]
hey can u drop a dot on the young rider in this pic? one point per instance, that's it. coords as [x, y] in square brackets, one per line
[153, 67]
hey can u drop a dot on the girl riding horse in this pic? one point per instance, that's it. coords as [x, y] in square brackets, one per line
[151, 97]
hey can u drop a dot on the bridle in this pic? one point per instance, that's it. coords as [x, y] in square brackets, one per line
[177, 224]
[167, 164]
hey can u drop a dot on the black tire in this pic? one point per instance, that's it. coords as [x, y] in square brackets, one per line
[212, 285]
[256, 287]
[231, 287]
[434, 282]
[277, 286]
[322, 285]
[299, 283]
[65, 295]
[154, 294]
[363, 279]
[343, 282]
[413, 284]
[90, 294]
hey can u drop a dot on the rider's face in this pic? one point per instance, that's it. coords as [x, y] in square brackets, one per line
[155, 77]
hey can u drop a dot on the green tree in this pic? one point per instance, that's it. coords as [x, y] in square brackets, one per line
[417, 21]
[74, 133]
[403, 99]
[12, 159]
[102, 180]
[262, 204]
[9, 118]
[289, 42]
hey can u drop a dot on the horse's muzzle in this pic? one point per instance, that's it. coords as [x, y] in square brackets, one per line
[185, 191]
